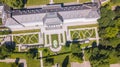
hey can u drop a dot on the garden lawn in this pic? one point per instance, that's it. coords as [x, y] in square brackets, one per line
[30, 62]
[37, 2]
[26, 39]
[84, 1]
[61, 35]
[1, 39]
[26, 31]
[64, 1]
[82, 26]
[65, 51]
[55, 37]
[115, 2]
[65, 36]
[47, 39]
[5, 64]
[0, 21]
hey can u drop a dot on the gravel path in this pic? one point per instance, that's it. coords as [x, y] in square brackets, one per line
[41, 61]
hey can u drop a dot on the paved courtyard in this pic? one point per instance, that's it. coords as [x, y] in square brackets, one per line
[115, 65]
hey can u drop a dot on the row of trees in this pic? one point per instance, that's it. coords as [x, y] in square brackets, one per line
[108, 52]
[109, 25]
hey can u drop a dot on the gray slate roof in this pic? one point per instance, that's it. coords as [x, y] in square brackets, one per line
[89, 10]
[53, 18]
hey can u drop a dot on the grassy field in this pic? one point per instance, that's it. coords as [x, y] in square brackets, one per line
[5, 64]
[1, 39]
[65, 51]
[37, 2]
[43, 2]
[61, 35]
[26, 39]
[54, 37]
[65, 36]
[82, 26]
[63, 1]
[26, 31]
[84, 1]
[30, 62]
[68, 1]
[0, 21]
[47, 39]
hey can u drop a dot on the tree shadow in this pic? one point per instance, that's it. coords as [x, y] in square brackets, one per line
[49, 61]
[68, 43]
[17, 61]
[33, 52]
[10, 45]
[65, 62]
[21, 65]
[56, 55]
[94, 44]
[25, 1]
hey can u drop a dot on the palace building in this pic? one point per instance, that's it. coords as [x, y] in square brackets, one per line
[49, 16]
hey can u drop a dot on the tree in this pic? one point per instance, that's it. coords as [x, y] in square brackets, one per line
[75, 47]
[33, 52]
[111, 32]
[99, 57]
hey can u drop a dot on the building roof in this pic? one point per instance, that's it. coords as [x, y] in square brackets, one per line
[53, 18]
[87, 10]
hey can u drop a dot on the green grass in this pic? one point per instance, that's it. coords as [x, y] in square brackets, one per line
[84, 1]
[26, 31]
[68, 1]
[1, 38]
[5, 64]
[47, 39]
[115, 2]
[65, 36]
[54, 37]
[64, 1]
[43, 38]
[37, 2]
[57, 58]
[61, 35]
[82, 26]
[26, 39]
[30, 62]
[0, 21]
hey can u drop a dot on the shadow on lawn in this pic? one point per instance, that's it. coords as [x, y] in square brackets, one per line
[55, 55]
[66, 61]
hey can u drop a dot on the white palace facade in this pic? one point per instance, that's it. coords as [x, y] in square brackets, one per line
[49, 15]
